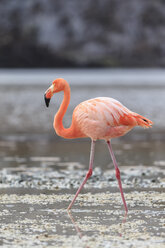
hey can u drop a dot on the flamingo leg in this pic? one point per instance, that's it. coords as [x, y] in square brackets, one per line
[117, 174]
[89, 173]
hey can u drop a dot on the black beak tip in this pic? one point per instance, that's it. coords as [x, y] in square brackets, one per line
[47, 101]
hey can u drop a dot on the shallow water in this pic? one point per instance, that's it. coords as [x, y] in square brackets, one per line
[39, 177]
[24, 110]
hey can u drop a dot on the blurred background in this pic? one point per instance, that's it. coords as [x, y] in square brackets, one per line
[107, 33]
[109, 48]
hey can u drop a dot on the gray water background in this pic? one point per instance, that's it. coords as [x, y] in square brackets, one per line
[23, 109]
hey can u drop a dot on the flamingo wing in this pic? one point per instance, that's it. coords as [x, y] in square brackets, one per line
[97, 116]
[102, 109]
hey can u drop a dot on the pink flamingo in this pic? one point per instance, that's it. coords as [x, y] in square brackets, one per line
[99, 118]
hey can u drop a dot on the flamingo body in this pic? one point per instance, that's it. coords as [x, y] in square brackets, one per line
[105, 118]
[98, 118]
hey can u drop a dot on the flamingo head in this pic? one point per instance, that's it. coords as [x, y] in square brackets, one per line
[57, 86]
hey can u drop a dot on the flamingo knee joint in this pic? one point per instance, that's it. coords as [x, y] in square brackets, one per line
[89, 173]
[118, 173]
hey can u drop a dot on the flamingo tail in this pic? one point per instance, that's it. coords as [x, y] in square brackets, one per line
[143, 122]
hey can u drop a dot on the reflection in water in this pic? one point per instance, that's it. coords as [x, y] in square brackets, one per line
[79, 231]
[74, 223]
[123, 222]
[76, 227]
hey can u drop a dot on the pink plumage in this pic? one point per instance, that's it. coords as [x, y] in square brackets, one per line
[106, 118]
[98, 118]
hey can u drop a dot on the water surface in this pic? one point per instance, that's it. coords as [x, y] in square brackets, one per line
[38, 179]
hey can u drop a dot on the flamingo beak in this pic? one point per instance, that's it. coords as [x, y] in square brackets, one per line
[48, 94]
[47, 100]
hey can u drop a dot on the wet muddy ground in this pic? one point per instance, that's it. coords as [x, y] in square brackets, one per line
[39, 177]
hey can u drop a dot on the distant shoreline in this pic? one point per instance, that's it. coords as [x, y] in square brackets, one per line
[131, 77]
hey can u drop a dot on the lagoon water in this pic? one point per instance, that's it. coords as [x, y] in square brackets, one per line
[40, 172]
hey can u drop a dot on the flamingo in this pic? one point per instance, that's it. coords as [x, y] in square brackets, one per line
[98, 118]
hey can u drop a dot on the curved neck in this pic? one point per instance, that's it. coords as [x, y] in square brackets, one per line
[58, 125]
